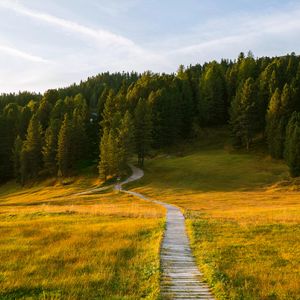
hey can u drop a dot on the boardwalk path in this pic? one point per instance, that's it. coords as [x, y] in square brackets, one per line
[181, 278]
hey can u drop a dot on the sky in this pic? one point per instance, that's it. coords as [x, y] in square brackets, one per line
[51, 44]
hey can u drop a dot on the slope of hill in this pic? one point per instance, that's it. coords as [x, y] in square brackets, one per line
[243, 223]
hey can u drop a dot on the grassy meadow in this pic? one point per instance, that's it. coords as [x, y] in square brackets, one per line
[243, 217]
[55, 245]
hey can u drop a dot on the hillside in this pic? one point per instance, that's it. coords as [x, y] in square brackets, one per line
[242, 213]
[110, 117]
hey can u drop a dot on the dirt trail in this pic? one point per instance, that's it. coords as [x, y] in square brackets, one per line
[181, 278]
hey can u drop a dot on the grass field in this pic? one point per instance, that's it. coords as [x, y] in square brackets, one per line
[243, 217]
[58, 246]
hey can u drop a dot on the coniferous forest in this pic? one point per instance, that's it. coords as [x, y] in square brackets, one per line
[111, 117]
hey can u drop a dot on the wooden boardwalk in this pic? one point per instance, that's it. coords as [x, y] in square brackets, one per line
[181, 278]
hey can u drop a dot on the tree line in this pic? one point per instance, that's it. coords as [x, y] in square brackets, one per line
[110, 117]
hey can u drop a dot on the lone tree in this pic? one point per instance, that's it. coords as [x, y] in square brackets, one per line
[292, 145]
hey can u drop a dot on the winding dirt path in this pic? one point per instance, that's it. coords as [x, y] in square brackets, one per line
[181, 278]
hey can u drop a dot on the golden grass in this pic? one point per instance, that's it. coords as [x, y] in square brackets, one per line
[244, 228]
[58, 246]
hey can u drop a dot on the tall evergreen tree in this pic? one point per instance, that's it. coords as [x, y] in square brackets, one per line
[125, 141]
[280, 109]
[273, 130]
[212, 105]
[44, 112]
[6, 143]
[64, 150]
[79, 137]
[31, 156]
[17, 151]
[50, 147]
[103, 165]
[292, 145]
[244, 114]
[143, 128]
[109, 110]
[112, 150]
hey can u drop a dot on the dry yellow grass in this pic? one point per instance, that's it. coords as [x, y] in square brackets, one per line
[58, 246]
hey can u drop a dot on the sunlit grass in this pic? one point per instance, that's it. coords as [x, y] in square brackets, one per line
[244, 227]
[55, 245]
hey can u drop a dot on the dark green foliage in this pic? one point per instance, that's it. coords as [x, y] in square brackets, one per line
[64, 151]
[17, 152]
[125, 140]
[143, 129]
[292, 144]
[280, 108]
[116, 146]
[243, 114]
[44, 112]
[247, 68]
[166, 118]
[109, 110]
[6, 144]
[104, 164]
[58, 110]
[31, 155]
[173, 109]
[79, 121]
[275, 132]
[50, 147]
[212, 103]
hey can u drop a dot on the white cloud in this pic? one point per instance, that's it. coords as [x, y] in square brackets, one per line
[100, 35]
[102, 51]
[21, 54]
[265, 33]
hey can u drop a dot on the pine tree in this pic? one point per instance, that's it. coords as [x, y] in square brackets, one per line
[31, 155]
[6, 143]
[44, 112]
[187, 105]
[58, 110]
[273, 132]
[64, 151]
[280, 108]
[81, 107]
[143, 129]
[109, 110]
[103, 166]
[79, 137]
[125, 141]
[17, 150]
[212, 105]
[112, 149]
[292, 145]
[244, 114]
[50, 147]
[101, 102]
